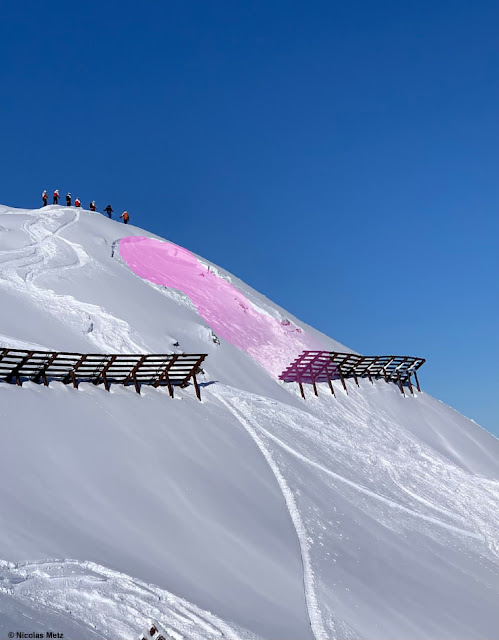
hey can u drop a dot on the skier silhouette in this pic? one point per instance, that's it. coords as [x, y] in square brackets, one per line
[92, 205]
[44, 198]
[125, 217]
[108, 210]
[68, 199]
[56, 196]
[77, 203]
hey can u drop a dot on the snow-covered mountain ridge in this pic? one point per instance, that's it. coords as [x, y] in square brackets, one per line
[371, 515]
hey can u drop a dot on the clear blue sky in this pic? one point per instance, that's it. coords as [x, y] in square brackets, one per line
[340, 157]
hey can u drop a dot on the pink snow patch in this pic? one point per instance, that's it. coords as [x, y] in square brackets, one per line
[272, 342]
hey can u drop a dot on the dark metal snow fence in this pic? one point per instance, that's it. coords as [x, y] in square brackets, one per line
[170, 370]
[325, 366]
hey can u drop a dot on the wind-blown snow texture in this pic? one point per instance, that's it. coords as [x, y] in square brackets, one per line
[371, 515]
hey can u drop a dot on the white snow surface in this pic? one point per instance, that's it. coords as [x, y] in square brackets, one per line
[251, 514]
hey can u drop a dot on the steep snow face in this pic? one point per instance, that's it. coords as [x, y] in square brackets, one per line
[272, 342]
[368, 515]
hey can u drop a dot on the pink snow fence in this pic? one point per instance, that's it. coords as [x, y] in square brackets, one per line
[271, 341]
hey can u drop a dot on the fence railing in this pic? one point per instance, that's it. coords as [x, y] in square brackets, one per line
[325, 366]
[170, 370]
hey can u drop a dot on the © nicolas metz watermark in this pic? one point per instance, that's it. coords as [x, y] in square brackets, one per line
[29, 635]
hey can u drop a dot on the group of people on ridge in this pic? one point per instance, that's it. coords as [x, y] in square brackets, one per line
[109, 210]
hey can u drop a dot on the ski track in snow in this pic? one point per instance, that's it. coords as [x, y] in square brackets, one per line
[20, 272]
[467, 525]
[313, 608]
[109, 604]
[358, 487]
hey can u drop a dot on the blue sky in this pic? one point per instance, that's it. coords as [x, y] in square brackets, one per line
[340, 157]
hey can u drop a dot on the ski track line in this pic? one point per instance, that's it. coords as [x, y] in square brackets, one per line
[422, 500]
[393, 472]
[313, 610]
[103, 327]
[139, 601]
[366, 491]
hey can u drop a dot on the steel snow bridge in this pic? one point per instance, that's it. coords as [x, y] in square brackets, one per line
[170, 370]
[312, 367]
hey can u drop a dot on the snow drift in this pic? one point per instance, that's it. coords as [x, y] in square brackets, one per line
[251, 514]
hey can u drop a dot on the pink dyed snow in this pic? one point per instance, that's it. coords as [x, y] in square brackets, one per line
[272, 342]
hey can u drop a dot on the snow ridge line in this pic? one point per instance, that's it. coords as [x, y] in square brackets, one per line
[313, 609]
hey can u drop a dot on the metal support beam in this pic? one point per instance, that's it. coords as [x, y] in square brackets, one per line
[342, 380]
[72, 374]
[417, 381]
[133, 371]
[135, 383]
[164, 374]
[401, 386]
[42, 373]
[102, 375]
[15, 371]
[196, 386]
[192, 374]
[409, 382]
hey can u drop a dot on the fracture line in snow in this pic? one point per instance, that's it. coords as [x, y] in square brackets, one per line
[313, 609]
[106, 331]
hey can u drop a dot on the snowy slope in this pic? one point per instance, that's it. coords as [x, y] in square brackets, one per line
[371, 515]
[84, 600]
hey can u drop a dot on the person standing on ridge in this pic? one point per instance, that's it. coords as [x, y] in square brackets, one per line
[56, 196]
[108, 210]
[44, 198]
[77, 203]
[68, 199]
[92, 205]
[125, 217]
